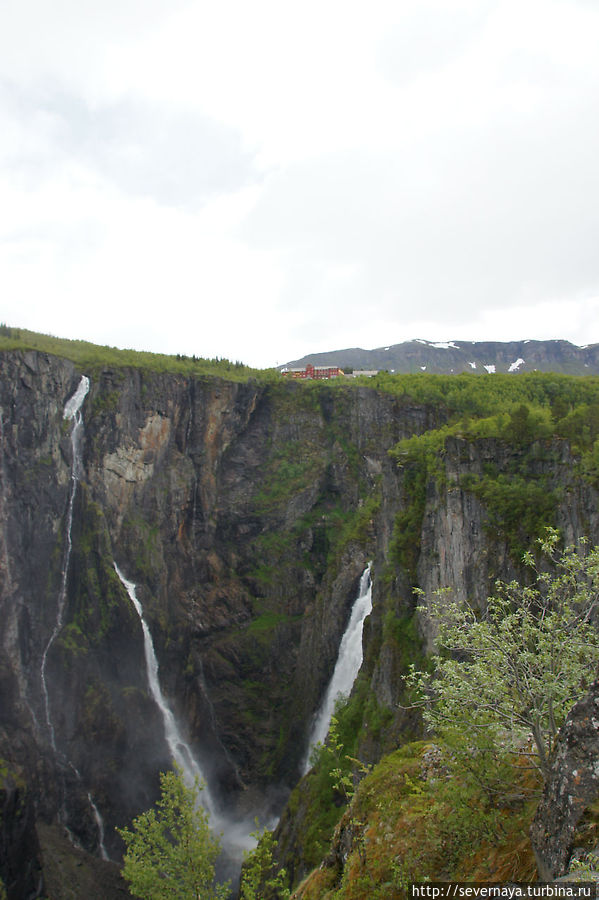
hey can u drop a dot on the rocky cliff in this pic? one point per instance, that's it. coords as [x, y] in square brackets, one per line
[244, 512]
[572, 787]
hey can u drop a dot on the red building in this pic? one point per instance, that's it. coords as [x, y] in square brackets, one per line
[310, 371]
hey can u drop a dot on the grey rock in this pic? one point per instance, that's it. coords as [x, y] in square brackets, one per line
[572, 786]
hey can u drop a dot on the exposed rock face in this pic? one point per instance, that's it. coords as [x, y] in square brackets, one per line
[19, 846]
[245, 514]
[222, 501]
[573, 785]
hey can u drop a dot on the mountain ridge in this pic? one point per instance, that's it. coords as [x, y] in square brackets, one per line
[454, 357]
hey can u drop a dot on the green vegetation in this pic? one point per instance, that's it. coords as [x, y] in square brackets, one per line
[517, 507]
[467, 396]
[73, 640]
[505, 680]
[534, 402]
[96, 604]
[267, 621]
[404, 546]
[93, 357]
[170, 851]
[526, 417]
[409, 821]
[332, 524]
[260, 879]
[518, 409]
[293, 468]
[313, 500]
[498, 691]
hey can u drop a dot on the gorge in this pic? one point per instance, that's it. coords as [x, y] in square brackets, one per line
[180, 553]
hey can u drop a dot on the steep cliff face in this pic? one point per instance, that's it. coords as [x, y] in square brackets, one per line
[464, 538]
[244, 513]
[455, 535]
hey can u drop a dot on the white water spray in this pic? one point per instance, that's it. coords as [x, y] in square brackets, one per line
[99, 826]
[347, 666]
[72, 411]
[179, 749]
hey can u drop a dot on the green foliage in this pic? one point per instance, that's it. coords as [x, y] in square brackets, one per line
[355, 524]
[260, 879]
[170, 851]
[466, 396]
[590, 464]
[73, 640]
[105, 402]
[522, 414]
[518, 507]
[93, 357]
[267, 621]
[293, 468]
[411, 820]
[451, 818]
[342, 765]
[329, 785]
[404, 546]
[584, 870]
[7, 332]
[504, 681]
[517, 410]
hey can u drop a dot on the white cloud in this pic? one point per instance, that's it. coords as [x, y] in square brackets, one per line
[264, 180]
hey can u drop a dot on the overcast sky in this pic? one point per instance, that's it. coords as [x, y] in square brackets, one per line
[261, 180]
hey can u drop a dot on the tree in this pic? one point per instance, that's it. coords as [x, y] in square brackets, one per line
[260, 879]
[507, 678]
[171, 851]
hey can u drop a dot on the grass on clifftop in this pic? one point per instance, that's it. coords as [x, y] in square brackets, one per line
[409, 821]
[93, 357]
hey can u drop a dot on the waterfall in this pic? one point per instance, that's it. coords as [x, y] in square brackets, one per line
[347, 666]
[72, 411]
[179, 749]
[99, 826]
[235, 833]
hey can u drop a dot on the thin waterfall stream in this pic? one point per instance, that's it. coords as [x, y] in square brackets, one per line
[72, 411]
[349, 660]
[100, 826]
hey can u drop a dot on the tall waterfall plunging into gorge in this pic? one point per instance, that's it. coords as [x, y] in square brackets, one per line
[347, 666]
[235, 833]
[179, 749]
[72, 411]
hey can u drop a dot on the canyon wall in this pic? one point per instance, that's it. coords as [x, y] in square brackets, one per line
[245, 513]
